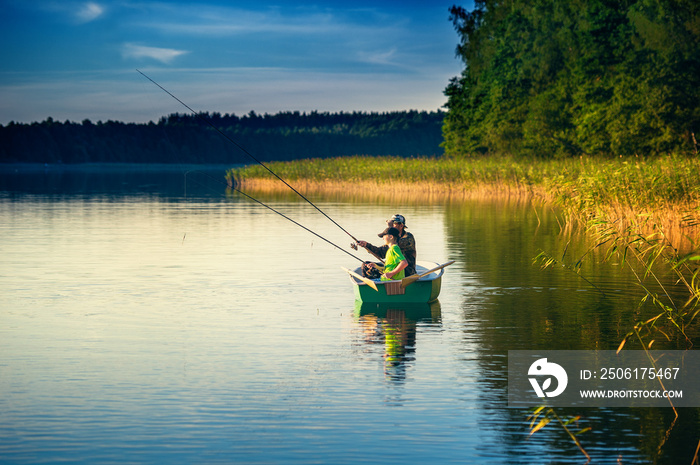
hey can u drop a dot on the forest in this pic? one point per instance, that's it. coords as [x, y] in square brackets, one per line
[183, 138]
[581, 77]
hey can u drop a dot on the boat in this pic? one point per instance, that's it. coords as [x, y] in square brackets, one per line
[424, 289]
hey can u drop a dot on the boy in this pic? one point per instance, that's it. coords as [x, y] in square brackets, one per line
[394, 261]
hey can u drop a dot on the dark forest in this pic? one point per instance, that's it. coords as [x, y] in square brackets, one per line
[181, 138]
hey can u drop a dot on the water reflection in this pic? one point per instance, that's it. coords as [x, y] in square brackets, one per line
[176, 180]
[394, 326]
[110, 313]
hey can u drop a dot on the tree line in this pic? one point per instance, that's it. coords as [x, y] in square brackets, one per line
[580, 77]
[186, 138]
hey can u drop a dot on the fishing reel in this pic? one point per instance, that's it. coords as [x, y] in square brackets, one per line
[353, 245]
[369, 270]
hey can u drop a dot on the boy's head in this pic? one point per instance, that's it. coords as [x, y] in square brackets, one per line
[392, 232]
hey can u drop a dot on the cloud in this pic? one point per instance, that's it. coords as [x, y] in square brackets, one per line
[225, 21]
[379, 58]
[164, 55]
[89, 11]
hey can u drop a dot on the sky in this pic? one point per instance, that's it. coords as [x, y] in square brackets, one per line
[77, 60]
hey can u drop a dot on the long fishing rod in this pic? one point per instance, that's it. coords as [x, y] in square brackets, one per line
[208, 122]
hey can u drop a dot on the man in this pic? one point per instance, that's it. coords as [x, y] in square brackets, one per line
[406, 243]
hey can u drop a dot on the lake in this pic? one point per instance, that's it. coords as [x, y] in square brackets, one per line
[148, 316]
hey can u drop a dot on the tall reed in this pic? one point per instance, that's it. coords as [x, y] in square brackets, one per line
[629, 192]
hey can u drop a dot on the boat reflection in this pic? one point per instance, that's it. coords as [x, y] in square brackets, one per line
[394, 326]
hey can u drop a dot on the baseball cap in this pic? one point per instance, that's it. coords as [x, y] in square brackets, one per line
[398, 219]
[392, 231]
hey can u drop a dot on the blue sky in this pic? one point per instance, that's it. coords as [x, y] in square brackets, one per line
[78, 59]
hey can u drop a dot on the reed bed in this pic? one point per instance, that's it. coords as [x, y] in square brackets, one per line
[650, 195]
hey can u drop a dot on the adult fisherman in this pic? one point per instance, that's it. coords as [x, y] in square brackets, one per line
[406, 243]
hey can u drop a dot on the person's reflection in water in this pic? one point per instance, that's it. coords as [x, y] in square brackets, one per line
[398, 335]
[399, 344]
[396, 329]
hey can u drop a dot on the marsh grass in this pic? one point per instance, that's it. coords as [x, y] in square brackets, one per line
[646, 195]
[669, 278]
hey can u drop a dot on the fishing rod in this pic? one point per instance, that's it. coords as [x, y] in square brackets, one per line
[242, 149]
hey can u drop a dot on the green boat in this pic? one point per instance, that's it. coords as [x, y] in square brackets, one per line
[422, 290]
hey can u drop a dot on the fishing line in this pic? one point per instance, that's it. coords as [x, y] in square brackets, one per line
[208, 122]
[218, 180]
[250, 197]
[298, 224]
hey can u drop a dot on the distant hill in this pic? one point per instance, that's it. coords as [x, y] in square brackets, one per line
[181, 138]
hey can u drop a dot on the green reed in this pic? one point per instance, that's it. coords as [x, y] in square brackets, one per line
[389, 169]
[646, 194]
[583, 181]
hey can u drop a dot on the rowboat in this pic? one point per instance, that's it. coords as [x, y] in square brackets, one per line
[422, 290]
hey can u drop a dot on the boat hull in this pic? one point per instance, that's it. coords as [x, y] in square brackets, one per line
[424, 290]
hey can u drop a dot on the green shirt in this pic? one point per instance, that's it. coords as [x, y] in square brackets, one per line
[392, 260]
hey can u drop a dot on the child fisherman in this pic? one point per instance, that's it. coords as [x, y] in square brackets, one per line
[394, 261]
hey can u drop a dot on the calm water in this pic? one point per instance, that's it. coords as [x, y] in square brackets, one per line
[148, 317]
